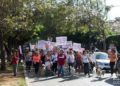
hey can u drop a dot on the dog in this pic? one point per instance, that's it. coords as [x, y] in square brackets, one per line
[98, 71]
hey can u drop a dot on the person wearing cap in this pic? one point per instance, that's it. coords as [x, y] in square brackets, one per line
[61, 61]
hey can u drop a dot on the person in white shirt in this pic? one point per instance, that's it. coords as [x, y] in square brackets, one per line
[54, 62]
[70, 59]
[86, 60]
[92, 59]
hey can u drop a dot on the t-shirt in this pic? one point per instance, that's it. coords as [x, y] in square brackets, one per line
[36, 58]
[14, 60]
[85, 59]
[70, 58]
[61, 59]
[54, 58]
[112, 57]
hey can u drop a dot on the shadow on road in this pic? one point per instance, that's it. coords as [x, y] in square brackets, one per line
[44, 79]
[98, 79]
[114, 82]
[69, 78]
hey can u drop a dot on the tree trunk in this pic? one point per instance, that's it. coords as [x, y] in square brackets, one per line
[2, 54]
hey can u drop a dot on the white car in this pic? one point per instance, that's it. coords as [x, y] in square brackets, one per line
[102, 60]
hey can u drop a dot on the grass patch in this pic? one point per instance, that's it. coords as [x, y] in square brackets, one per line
[21, 81]
[7, 78]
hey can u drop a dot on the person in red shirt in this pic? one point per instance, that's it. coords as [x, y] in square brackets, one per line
[61, 61]
[36, 61]
[14, 62]
[78, 62]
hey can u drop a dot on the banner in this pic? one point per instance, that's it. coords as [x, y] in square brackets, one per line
[61, 40]
[76, 46]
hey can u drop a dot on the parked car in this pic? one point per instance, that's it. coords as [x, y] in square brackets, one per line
[102, 60]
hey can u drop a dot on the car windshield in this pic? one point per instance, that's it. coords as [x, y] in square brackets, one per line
[101, 56]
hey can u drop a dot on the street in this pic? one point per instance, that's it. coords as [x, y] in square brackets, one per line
[76, 80]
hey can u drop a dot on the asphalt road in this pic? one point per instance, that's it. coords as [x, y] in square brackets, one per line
[76, 80]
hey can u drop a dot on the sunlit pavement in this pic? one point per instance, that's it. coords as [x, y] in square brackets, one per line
[76, 80]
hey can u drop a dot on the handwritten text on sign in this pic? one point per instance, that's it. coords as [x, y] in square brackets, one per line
[61, 40]
[76, 46]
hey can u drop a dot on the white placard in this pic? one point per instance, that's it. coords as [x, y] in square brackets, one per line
[32, 47]
[81, 50]
[41, 44]
[61, 40]
[20, 49]
[76, 46]
[69, 44]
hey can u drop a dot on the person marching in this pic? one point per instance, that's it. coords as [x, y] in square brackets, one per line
[78, 62]
[86, 60]
[14, 62]
[28, 60]
[112, 56]
[36, 61]
[70, 59]
[54, 62]
[61, 62]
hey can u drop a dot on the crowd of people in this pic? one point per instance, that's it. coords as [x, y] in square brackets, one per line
[56, 60]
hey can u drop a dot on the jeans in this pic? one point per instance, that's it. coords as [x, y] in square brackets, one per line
[70, 65]
[36, 66]
[86, 68]
[112, 64]
[61, 70]
[54, 67]
[14, 69]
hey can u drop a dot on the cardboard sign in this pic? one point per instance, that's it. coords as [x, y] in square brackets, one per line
[61, 40]
[41, 44]
[32, 47]
[69, 44]
[76, 46]
[20, 49]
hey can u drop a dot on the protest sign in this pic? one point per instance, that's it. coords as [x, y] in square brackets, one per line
[69, 44]
[61, 40]
[41, 44]
[76, 46]
[20, 49]
[32, 47]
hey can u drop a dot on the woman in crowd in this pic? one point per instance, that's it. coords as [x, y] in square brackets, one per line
[117, 66]
[14, 62]
[48, 61]
[112, 57]
[28, 60]
[54, 62]
[61, 62]
[86, 60]
[78, 62]
[42, 56]
[70, 59]
[36, 61]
